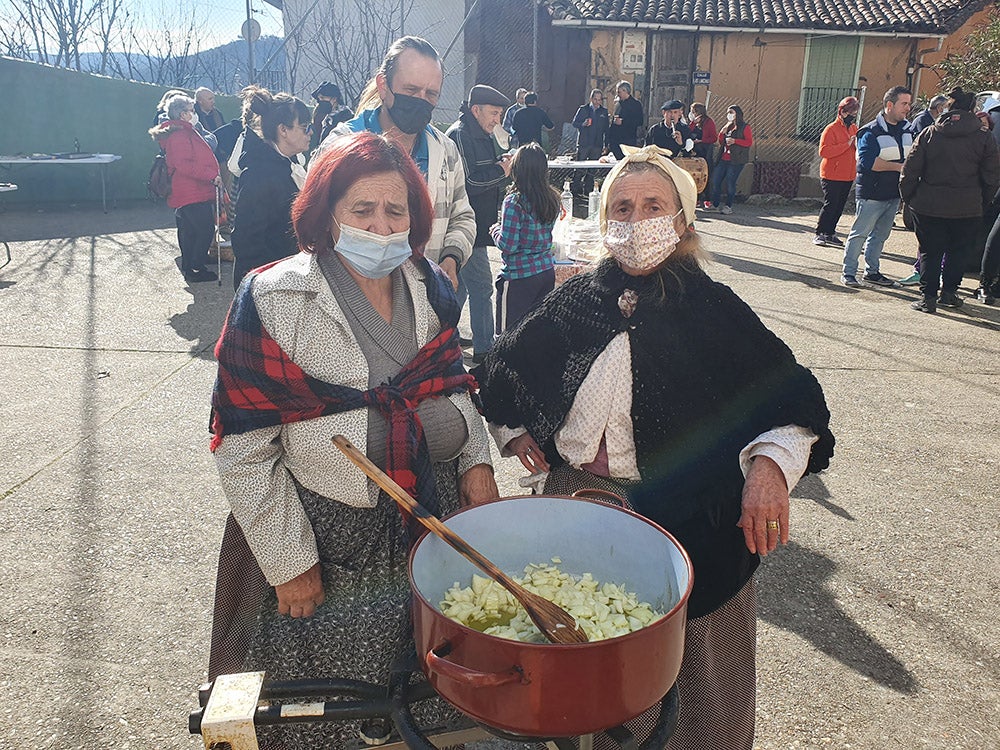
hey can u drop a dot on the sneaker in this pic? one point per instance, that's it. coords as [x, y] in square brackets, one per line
[950, 299]
[912, 280]
[878, 279]
[707, 206]
[201, 274]
[820, 239]
[924, 305]
[849, 281]
[726, 209]
[834, 240]
[984, 296]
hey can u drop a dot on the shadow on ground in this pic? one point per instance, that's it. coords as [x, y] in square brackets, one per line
[798, 601]
[201, 323]
[58, 222]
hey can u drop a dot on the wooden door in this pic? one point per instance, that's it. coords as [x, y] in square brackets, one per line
[673, 56]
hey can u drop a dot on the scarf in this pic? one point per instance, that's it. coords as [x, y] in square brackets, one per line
[258, 385]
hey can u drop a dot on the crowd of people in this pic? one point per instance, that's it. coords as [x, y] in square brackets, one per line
[350, 277]
[945, 166]
[351, 327]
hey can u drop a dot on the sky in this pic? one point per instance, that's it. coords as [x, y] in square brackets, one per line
[219, 20]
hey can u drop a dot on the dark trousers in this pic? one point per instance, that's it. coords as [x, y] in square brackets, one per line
[835, 194]
[195, 230]
[517, 297]
[989, 277]
[944, 239]
[583, 179]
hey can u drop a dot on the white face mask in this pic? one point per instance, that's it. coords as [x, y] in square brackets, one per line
[642, 245]
[731, 116]
[372, 255]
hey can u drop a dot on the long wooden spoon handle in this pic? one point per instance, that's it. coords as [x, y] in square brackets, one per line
[418, 511]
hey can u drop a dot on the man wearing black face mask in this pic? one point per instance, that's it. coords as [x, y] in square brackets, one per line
[398, 102]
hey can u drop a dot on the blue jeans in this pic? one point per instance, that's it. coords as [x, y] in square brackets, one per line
[871, 228]
[725, 171]
[475, 283]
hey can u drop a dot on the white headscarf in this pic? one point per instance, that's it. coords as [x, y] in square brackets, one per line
[659, 158]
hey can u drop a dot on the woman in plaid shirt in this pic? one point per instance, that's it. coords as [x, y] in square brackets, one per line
[524, 236]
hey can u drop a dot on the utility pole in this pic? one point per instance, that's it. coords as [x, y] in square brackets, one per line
[534, 45]
[250, 61]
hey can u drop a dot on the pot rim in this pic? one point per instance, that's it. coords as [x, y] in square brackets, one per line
[681, 602]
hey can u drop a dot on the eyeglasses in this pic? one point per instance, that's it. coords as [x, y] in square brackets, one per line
[307, 128]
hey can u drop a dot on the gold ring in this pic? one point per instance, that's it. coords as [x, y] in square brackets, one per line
[772, 525]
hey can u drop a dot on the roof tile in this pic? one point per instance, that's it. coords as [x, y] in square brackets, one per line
[932, 17]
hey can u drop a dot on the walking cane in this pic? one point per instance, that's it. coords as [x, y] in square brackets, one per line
[218, 237]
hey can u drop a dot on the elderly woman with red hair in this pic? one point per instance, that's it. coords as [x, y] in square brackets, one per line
[355, 335]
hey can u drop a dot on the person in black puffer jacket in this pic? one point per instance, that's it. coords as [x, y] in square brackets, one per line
[269, 182]
[948, 179]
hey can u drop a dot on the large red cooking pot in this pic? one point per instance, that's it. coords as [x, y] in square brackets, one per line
[547, 690]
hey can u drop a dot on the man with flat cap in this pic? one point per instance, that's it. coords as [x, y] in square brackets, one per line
[487, 174]
[330, 111]
[671, 134]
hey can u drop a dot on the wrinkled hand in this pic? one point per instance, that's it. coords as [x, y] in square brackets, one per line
[527, 450]
[300, 596]
[505, 162]
[765, 498]
[678, 137]
[450, 268]
[477, 485]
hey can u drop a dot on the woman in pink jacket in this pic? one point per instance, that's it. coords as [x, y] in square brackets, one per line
[837, 169]
[194, 176]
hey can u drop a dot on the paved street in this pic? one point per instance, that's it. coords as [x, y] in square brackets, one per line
[878, 621]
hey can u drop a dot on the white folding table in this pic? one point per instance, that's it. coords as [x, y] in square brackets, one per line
[7, 187]
[102, 160]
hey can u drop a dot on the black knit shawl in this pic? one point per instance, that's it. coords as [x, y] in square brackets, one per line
[708, 378]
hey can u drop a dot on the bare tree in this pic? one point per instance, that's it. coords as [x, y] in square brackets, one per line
[348, 39]
[110, 22]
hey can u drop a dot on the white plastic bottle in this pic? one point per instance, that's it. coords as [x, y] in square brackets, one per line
[567, 200]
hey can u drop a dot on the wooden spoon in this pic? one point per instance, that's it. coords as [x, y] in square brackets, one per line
[556, 624]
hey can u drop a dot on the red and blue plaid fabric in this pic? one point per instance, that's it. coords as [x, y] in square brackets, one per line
[525, 243]
[258, 385]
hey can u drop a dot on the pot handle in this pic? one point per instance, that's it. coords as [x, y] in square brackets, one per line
[470, 677]
[604, 496]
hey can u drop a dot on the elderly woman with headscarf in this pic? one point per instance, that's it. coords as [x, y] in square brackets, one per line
[646, 378]
[355, 335]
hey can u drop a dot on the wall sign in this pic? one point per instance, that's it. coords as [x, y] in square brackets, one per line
[634, 52]
[701, 78]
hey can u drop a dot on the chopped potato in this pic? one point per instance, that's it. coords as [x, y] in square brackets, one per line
[602, 610]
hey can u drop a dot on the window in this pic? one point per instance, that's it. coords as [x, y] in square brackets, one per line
[831, 73]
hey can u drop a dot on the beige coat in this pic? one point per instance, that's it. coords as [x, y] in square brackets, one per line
[299, 310]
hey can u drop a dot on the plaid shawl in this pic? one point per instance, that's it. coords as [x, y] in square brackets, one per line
[258, 385]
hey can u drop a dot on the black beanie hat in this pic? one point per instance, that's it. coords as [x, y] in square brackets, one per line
[964, 100]
[328, 89]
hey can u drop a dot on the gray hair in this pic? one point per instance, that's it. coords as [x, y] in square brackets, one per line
[179, 104]
[198, 92]
[938, 101]
[624, 85]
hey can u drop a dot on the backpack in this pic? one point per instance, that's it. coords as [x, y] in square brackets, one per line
[158, 183]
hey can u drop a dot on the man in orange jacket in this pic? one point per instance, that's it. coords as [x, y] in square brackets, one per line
[837, 169]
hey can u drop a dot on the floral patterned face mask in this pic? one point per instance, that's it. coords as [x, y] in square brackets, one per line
[642, 245]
